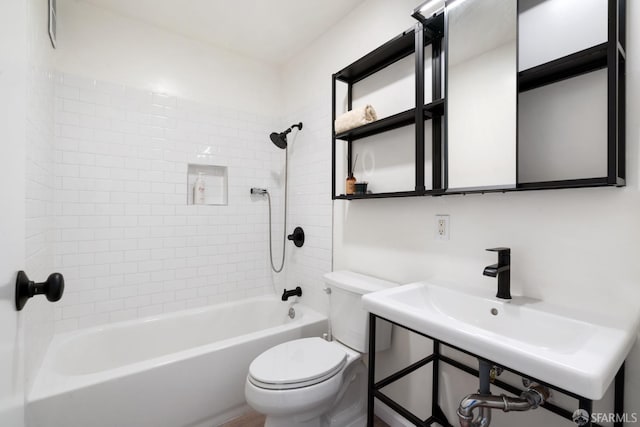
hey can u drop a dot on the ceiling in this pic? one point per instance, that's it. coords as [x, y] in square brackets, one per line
[270, 30]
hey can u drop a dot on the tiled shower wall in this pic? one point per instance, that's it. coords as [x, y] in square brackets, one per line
[126, 240]
[310, 203]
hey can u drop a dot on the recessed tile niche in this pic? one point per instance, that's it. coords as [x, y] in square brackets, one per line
[215, 183]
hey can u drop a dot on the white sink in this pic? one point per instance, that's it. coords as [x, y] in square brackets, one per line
[575, 351]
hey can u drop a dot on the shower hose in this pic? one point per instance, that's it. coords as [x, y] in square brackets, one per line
[284, 230]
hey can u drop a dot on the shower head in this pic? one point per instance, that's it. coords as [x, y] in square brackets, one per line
[280, 139]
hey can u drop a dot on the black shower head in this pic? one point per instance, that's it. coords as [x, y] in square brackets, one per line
[280, 139]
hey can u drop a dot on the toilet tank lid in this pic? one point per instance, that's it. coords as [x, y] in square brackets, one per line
[356, 282]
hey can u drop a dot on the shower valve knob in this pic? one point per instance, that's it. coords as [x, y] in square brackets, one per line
[297, 237]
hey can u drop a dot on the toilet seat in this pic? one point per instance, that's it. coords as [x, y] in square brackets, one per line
[296, 364]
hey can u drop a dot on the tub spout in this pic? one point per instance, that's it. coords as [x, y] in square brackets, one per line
[297, 292]
[533, 397]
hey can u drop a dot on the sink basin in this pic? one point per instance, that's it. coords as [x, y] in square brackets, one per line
[575, 351]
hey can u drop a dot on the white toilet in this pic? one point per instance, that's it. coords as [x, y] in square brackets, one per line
[312, 382]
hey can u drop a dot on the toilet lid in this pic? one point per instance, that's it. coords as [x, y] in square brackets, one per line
[297, 363]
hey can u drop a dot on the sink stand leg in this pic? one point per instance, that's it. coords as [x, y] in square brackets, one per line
[372, 369]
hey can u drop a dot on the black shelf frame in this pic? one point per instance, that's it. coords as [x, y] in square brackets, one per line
[392, 51]
[436, 358]
[584, 61]
[377, 195]
[411, 41]
[388, 123]
[610, 55]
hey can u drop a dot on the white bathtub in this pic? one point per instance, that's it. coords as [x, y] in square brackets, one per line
[181, 369]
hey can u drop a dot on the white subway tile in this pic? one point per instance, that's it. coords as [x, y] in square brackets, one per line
[109, 305]
[137, 278]
[72, 106]
[148, 311]
[94, 97]
[66, 325]
[109, 257]
[165, 100]
[94, 122]
[67, 92]
[122, 315]
[78, 310]
[124, 268]
[92, 246]
[162, 297]
[129, 244]
[123, 292]
[93, 320]
[124, 197]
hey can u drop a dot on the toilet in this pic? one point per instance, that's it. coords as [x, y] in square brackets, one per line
[312, 382]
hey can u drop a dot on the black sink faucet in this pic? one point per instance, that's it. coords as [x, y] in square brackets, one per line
[502, 270]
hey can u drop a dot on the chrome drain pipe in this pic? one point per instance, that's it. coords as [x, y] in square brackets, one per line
[531, 398]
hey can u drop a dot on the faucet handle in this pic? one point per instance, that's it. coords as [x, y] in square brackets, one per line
[504, 256]
[500, 250]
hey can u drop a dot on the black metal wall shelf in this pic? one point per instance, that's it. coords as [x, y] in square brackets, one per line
[394, 50]
[585, 61]
[378, 195]
[412, 41]
[383, 125]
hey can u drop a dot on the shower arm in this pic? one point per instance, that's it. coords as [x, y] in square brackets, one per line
[288, 131]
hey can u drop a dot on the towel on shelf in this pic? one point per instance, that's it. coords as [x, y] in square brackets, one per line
[355, 118]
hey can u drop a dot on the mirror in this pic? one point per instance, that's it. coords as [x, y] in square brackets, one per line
[481, 93]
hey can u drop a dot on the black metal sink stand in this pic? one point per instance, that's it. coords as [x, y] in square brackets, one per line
[438, 416]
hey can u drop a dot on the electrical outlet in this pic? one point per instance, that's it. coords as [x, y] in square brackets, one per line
[442, 227]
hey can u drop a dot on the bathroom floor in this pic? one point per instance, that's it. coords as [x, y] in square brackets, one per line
[255, 419]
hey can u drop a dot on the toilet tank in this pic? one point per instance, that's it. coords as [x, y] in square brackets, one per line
[349, 320]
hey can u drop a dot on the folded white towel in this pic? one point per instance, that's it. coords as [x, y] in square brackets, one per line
[355, 118]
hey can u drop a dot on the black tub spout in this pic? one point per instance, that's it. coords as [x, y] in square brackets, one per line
[293, 292]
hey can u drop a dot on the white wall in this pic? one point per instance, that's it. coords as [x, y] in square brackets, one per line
[577, 247]
[39, 312]
[27, 193]
[102, 45]
[12, 212]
